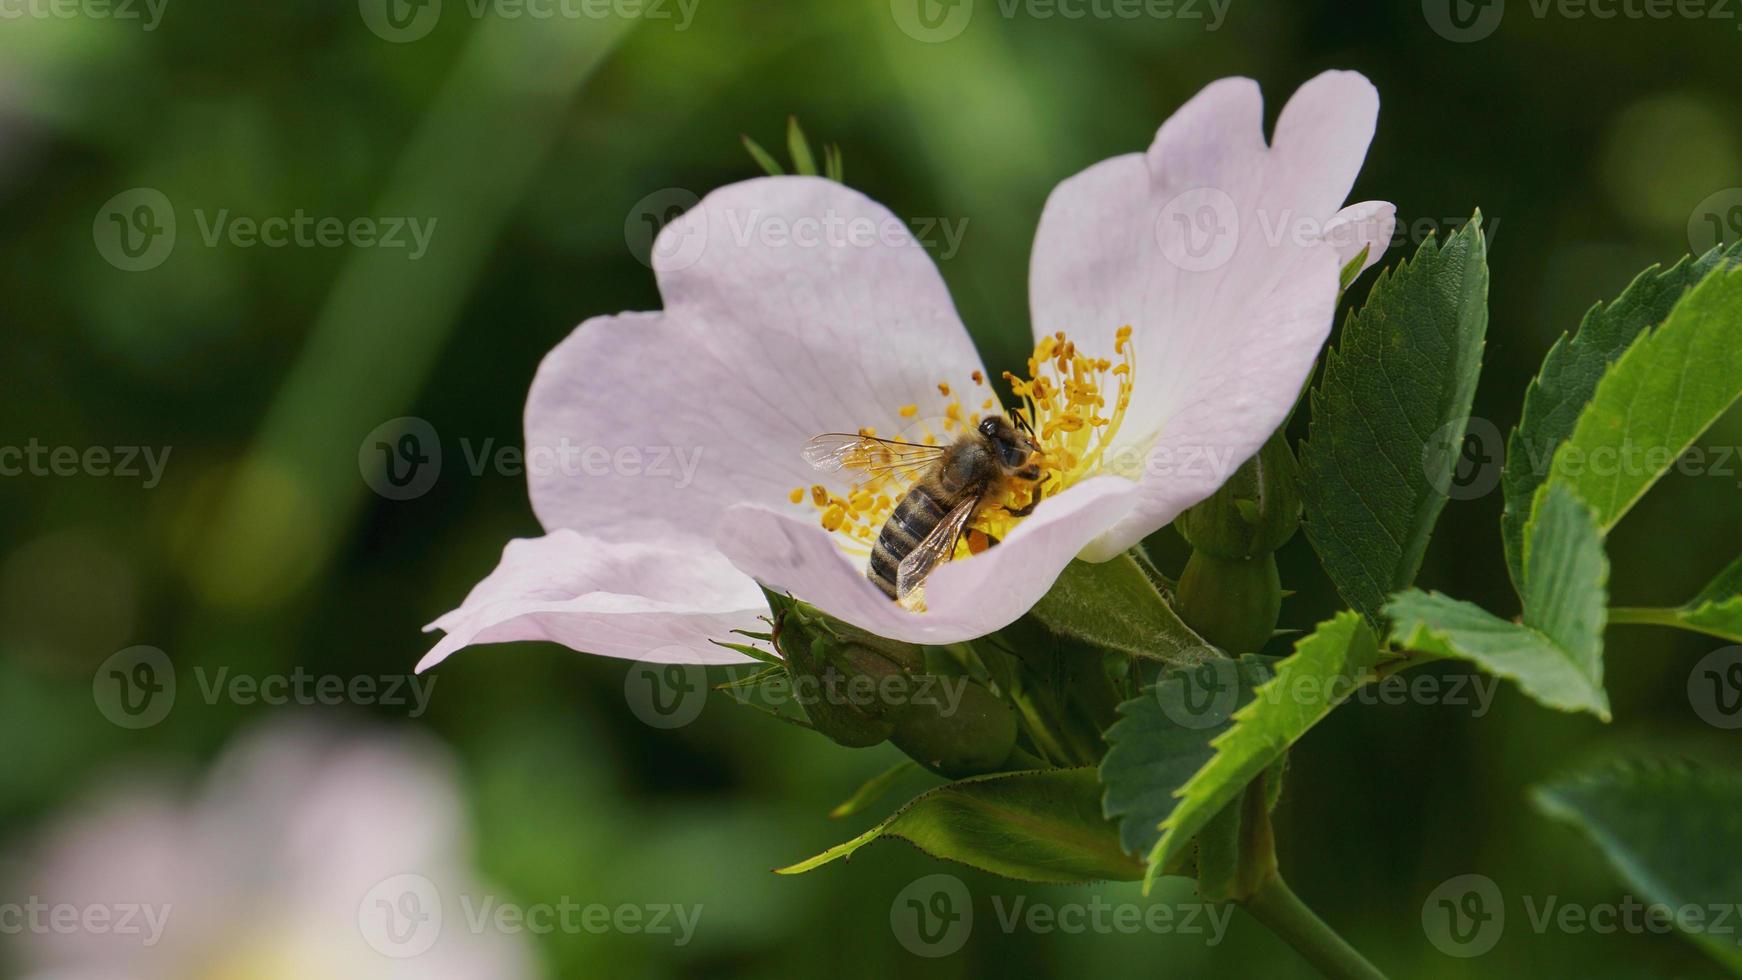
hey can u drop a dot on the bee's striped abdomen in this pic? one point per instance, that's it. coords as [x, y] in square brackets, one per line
[916, 516]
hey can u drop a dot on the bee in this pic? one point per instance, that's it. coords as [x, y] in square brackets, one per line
[980, 469]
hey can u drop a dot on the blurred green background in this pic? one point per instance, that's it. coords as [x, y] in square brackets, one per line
[538, 147]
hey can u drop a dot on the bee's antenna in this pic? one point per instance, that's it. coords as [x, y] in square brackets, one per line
[1019, 418]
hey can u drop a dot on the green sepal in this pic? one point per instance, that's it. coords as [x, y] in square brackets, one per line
[1115, 605]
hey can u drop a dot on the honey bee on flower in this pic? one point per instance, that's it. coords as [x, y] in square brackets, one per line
[1152, 344]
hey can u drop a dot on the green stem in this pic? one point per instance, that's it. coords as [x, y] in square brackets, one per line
[1283, 913]
[1647, 615]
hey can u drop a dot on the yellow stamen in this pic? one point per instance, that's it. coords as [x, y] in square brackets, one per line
[1064, 400]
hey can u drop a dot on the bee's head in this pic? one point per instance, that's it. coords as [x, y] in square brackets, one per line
[1015, 450]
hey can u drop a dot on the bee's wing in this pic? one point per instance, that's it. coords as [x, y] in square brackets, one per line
[834, 451]
[938, 547]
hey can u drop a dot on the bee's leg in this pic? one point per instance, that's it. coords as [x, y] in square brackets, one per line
[1033, 502]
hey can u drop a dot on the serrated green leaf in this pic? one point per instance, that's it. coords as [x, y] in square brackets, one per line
[1115, 605]
[1716, 611]
[1670, 831]
[1163, 737]
[1388, 417]
[763, 158]
[800, 149]
[1569, 377]
[1556, 654]
[1665, 389]
[1038, 825]
[1325, 668]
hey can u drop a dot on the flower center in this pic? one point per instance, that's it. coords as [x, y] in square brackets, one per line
[1071, 402]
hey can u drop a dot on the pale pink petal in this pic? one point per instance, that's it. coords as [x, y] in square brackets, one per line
[617, 599]
[794, 306]
[1366, 225]
[1212, 247]
[964, 599]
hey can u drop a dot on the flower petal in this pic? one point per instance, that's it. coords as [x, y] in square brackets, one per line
[964, 599]
[794, 306]
[636, 601]
[1212, 247]
[1366, 225]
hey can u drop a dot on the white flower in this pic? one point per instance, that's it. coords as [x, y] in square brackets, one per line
[277, 869]
[1194, 286]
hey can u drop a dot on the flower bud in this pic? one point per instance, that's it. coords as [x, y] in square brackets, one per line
[969, 733]
[1232, 602]
[1255, 512]
[849, 682]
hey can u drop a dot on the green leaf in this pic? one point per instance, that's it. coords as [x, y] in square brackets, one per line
[1556, 654]
[1325, 668]
[1388, 417]
[1670, 831]
[1115, 605]
[1716, 611]
[800, 148]
[873, 789]
[834, 166]
[1039, 825]
[763, 158]
[1666, 389]
[1569, 377]
[1352, 268]
[1163, 737]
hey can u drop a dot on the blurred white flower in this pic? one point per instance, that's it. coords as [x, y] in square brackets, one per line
[305, 854]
